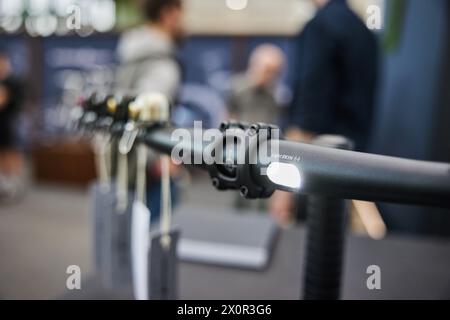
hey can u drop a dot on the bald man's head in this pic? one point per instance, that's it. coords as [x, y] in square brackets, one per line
[266, 64]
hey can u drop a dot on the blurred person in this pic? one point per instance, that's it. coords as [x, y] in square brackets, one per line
[253, 98]
[253, 94]
[147, 53]
[148, 63]
[335, 85]
[11, 158]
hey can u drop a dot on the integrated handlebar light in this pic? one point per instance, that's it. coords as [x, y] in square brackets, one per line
[147, 110]
[151, 108]
[285, 174]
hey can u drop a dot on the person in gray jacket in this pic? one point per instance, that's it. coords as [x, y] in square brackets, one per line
[148, 63]
[147, 53]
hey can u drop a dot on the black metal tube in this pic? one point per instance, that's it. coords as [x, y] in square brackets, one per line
[362, 176]
[343, 174]
[163, 140]
[325, 243]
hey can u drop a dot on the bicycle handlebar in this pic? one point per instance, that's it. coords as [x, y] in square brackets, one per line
[309, 169]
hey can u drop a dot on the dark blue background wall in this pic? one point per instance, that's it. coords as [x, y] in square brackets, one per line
[411, 102]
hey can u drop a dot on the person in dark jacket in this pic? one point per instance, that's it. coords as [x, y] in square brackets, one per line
[336, 75]
[10, 100]
[336, 71]
[12, 182]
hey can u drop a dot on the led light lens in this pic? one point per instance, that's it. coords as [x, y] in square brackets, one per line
[284, 174]
[237, 4]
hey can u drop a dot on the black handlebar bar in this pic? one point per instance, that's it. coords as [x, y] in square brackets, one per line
[295, 167]
[340, 173]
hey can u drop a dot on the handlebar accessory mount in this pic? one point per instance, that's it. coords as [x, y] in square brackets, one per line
[239, 152]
